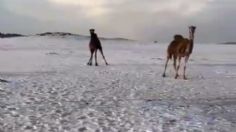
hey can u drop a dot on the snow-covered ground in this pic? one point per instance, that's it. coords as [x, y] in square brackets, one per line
[52, 89]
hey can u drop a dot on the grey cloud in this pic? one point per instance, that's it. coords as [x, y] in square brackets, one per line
[136, 19]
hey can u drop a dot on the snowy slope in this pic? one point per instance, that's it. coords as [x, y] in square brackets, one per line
[52, 89]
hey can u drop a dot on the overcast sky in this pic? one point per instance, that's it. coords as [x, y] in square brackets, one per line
[134, 19]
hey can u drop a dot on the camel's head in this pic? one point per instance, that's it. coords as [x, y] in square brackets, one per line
[92, 30]
[192, 31]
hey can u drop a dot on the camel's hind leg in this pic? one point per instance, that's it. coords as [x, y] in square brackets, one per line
[177, 69]
[167, 60]
[185, 66]
[103, 56]
[90, 62]
[174, 64]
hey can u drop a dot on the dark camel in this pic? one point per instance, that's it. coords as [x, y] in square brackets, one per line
[95, 45]
[178, 48]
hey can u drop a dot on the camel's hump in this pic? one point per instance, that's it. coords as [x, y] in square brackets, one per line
[178, 37]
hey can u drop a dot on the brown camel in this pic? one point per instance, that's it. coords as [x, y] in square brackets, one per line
[95, 45]
[178, 48]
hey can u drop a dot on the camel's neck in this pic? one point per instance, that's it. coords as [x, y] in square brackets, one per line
[191, 38]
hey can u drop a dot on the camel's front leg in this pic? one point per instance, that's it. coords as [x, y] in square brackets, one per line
[185, 66]
[90, 62]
